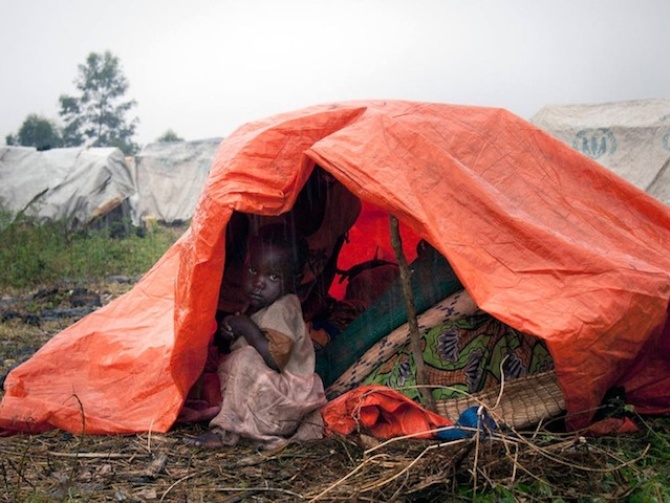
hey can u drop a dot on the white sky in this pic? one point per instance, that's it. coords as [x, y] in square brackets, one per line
[205, 67]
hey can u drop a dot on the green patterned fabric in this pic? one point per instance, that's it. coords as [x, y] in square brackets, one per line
[465, 356]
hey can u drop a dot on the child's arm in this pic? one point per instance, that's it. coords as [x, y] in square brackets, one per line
[241, 326]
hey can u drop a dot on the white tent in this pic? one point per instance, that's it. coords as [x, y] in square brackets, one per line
[169, 177]
[72, 185]
[631, 138]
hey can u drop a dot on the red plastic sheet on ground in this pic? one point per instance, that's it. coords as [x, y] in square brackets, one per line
[381, 412]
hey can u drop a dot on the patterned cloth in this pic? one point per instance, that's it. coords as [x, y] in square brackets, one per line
[467, 355]
[453, 307]
[264, 405]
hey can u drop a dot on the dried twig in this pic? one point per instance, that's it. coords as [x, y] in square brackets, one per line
[414, 334]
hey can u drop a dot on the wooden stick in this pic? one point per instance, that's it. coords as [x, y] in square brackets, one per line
[414, 335]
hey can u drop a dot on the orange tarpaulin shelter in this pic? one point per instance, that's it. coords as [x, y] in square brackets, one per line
[543, 238]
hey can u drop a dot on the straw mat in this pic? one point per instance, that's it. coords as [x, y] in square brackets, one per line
[524, 402]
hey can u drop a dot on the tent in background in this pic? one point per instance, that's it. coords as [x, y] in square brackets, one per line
[169, 177]
[632, 138]
[71, 185]
[544, 239]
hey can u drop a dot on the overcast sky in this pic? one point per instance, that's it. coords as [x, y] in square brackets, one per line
[205, 67]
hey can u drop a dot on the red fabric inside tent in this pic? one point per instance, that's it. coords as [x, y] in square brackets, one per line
[368, 239]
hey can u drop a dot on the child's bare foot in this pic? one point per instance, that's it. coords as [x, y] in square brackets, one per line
[213, 440]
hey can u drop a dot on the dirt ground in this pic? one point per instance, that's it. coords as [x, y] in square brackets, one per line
[58, 466]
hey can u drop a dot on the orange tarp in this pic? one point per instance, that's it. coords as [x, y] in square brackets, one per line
[381, 412]
[543, 238]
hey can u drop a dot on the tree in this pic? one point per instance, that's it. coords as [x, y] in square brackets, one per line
[37, 131]
[168, 137]
[97, 117]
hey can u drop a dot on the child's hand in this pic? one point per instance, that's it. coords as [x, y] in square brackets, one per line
[237, 325]
[226, 331]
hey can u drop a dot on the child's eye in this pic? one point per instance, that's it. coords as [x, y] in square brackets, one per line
[252, 270]
[275, 277]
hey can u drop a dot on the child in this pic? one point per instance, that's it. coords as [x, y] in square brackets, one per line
[268, 383]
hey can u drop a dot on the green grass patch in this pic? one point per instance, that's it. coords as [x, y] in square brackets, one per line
[35, 254]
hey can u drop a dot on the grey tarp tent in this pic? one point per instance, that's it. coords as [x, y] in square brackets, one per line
[72, 185]
[169, 177]
[631, 138]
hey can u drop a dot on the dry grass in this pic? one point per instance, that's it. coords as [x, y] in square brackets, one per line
[162, 468]
[61, 467]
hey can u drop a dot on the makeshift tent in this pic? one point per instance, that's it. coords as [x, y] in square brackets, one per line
[631, 138]
[169, 177]
[543, 238]
[70, 185]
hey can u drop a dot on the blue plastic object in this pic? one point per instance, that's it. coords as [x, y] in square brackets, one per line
[470, 421]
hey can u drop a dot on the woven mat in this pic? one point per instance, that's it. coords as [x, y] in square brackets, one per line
[524, 402]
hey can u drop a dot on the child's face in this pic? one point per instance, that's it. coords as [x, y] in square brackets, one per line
[267, 276]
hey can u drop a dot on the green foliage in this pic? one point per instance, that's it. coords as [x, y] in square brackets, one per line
[6, 218]
[37, 131]
[168, 137]
[35, 254]
[98, 116]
